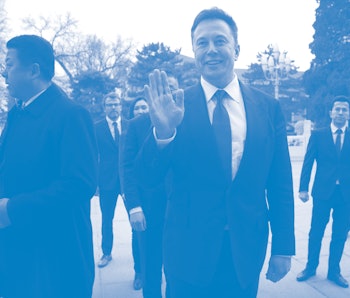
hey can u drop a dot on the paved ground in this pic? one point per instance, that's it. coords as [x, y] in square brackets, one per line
[115, 280]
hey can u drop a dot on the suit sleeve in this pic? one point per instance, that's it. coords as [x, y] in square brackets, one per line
[308, 162]
[76, 179]
[129, 150]
[280, 190]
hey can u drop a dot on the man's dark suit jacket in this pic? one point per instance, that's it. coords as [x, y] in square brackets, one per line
[330, 166]
[200, 206]
[48, 170]
[151, 199]
[108, 169]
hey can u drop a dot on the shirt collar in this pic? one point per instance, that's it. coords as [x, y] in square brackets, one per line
[232, 89]
[30, 100]
[110, 121]
[334, 128]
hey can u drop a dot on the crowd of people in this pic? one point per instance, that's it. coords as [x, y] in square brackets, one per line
[205, 175]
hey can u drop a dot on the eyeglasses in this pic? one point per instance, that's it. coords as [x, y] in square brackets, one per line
[112, 104]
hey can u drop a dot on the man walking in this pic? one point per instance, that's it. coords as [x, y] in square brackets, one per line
[330, 148]
[48, 174]
[108, 141]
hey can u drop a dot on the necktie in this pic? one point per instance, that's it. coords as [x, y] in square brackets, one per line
[116, 132]
[222, 130]
[338, 140]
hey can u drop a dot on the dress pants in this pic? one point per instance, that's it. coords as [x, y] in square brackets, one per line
[224, 284]
[320, 217]
[151, 252]
[136, 252]
[108, 202]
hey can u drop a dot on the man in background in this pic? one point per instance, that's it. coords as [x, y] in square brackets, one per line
[108, 140]
[146, 205]
[330, 148]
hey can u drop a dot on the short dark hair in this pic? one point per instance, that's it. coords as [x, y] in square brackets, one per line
[112, 95]
[213, 14]
[340, 98]
[34, 49]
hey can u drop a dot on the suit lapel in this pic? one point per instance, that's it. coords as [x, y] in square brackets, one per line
[253, 111]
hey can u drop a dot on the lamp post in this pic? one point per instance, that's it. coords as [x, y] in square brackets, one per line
[276, 66]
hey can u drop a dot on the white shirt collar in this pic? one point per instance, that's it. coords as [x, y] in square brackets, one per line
[334, 128]
[30, 100]
[110, 121]
[232, 89]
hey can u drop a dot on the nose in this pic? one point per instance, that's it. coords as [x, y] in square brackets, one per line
[211, 46]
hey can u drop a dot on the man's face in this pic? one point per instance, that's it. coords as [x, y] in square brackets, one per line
[18, 77]
[215, 51]
[340, 113]
[113, 108]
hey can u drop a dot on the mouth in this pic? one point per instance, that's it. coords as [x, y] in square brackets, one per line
[213, 62]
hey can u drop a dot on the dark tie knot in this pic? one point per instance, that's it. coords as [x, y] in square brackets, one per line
[338, 131]
[220, 95]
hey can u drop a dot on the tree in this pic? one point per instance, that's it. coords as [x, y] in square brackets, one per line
[153, 55]
[92, 66]
[3, 94]
[89, 88]
[329, 74]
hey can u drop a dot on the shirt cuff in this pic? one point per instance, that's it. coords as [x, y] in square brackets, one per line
[135, 210]
[4, 218]
[163, 142]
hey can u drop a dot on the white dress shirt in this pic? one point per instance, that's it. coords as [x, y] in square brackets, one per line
[334, 133]
[236, 111]
[111, 126]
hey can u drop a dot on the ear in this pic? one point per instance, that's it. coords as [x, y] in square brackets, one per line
[237, 51]
[35, 70]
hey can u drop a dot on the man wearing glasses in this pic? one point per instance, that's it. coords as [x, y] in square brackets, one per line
[108, 134]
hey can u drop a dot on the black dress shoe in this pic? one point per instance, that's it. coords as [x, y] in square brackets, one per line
[104, 261]
[305, 274]
[338, 279]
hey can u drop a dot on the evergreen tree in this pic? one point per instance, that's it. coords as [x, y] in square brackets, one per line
[154, 55]
[329, 73]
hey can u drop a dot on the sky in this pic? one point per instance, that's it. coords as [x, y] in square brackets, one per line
[287, 23]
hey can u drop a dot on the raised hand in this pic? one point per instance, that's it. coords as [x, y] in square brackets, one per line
[166, 112]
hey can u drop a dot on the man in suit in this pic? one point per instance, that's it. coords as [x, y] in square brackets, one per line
[146, 206]
[330, 148]
[48, 174]
[225, 188]
[108, 140]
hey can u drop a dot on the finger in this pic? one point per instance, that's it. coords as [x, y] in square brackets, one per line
[179, 99]
[153, 86]
[165, 83]
[148, 95]
[157, 75]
